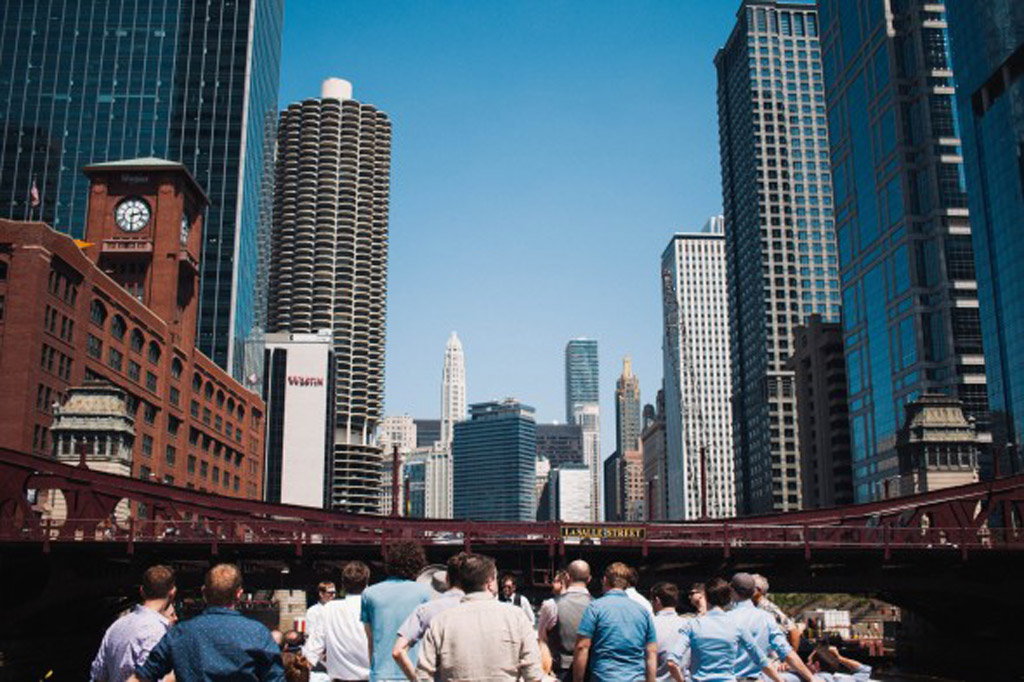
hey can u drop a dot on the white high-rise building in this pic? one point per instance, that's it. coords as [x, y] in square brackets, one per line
[453, 390]
[698, 414]
[570, 493]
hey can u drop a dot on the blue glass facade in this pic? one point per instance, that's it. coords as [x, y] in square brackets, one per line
[910, 306]
[582, 384]
[987, 41]
[186, 80]
[494, 461]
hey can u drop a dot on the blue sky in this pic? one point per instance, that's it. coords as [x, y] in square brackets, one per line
[543, 155]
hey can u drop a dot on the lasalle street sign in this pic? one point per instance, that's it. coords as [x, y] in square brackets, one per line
[603, 532]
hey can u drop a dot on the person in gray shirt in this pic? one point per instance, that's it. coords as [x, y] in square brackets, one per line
[565, 622]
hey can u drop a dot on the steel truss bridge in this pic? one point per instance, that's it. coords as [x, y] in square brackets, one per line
[941, 554]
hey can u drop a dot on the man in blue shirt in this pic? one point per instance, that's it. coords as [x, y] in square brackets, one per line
[616, 635]
[219, 644]
[387, 604]
[766, 633]
[713, 642]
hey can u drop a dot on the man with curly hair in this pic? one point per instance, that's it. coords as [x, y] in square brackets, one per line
[387, 604]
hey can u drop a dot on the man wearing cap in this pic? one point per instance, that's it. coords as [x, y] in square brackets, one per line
[765, 632]
[415, 626]
[762, 602]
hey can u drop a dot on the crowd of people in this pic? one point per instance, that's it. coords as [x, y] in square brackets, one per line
[463, 623]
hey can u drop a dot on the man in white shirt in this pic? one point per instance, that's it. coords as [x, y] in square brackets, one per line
[339, 640]
[667, 622]
[325, 594]
[129, 640]
[631, 592]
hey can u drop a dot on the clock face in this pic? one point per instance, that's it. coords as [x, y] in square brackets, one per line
[132, 214]
[186, 227]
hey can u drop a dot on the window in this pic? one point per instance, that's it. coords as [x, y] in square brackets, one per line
[2, 306]
[208, 391]
[203, 469]
[93, 346]
[118, 327]
[176, 368]
[3, 271]
[151, 381]
[134, 370]
[191, 464]
[197, 382]
[220, 398]
[145, 473]
[173, 424]
[114, 358]
[170, 455]
[97, 313]
[168, 479]
[175, 396]
[149, 414]
[147, 445]
[154, 352]
[193, 409]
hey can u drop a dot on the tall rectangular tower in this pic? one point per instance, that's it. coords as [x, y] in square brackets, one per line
[780, 251]
[987, 41]
[627, 409]
[698, 422]
[494, 461]
[194, 82]
[328, 270]
[910, 298]
[583, 407]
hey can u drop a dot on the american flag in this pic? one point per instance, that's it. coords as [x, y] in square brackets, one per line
[33, 194]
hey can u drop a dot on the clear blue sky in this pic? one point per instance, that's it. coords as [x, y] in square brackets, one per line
[543, 155]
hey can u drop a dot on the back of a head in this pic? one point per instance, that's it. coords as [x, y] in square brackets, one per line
[453, 569]
[404, 559]
[634, 577]
[476, 571]
[666, 593]
[157, 582]
[296, 667]
[718, 592]
[221, 585]
[760, 583]
[744, 585]
[579, 571]
[618, 576]
[293, 641]
[354, 577]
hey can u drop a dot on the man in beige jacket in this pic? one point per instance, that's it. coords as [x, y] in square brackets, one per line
[481, 638]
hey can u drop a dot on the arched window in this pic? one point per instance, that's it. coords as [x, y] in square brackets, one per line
[118, 327]
[138, 341]
[3, 271]
[197, 382]
[220, 398]
[208, 390]
[98, 313]
[176, 368]
[154, 352]
[231, 405]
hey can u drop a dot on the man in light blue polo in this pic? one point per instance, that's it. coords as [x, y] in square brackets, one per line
[767, 635]
[616, 635]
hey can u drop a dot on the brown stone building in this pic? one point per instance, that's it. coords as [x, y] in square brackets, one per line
[122, 308]
[823, 414]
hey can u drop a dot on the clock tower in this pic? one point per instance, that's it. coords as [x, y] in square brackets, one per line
[144, 230]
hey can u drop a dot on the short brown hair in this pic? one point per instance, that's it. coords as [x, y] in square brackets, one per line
[453, 569]
[666, 593]
[322, 586]
[476, 571]
[157, 582]
[718, 592]
[561, 576]
[618, 576]
[404, 559]
[222, 584]
[354, 577]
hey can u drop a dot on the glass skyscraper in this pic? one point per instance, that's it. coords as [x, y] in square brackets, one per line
[583, 408]
[186, 80]
[494, 462]
[910, 299]
[987, 41]
[780, 254]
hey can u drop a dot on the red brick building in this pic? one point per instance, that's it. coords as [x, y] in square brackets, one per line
[122, 308]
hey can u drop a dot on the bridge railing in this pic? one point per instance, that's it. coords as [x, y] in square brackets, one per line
[373, 531]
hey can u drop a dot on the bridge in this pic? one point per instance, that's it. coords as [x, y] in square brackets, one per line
[940, 554]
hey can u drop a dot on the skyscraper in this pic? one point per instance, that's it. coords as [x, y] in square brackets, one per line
[910, 298]
[494, 461]
[194, 82]
[698, 422]
[453, 389]
[627, 409]
[329, 257]
[582, 407]
[987, 41]
[781, 261]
